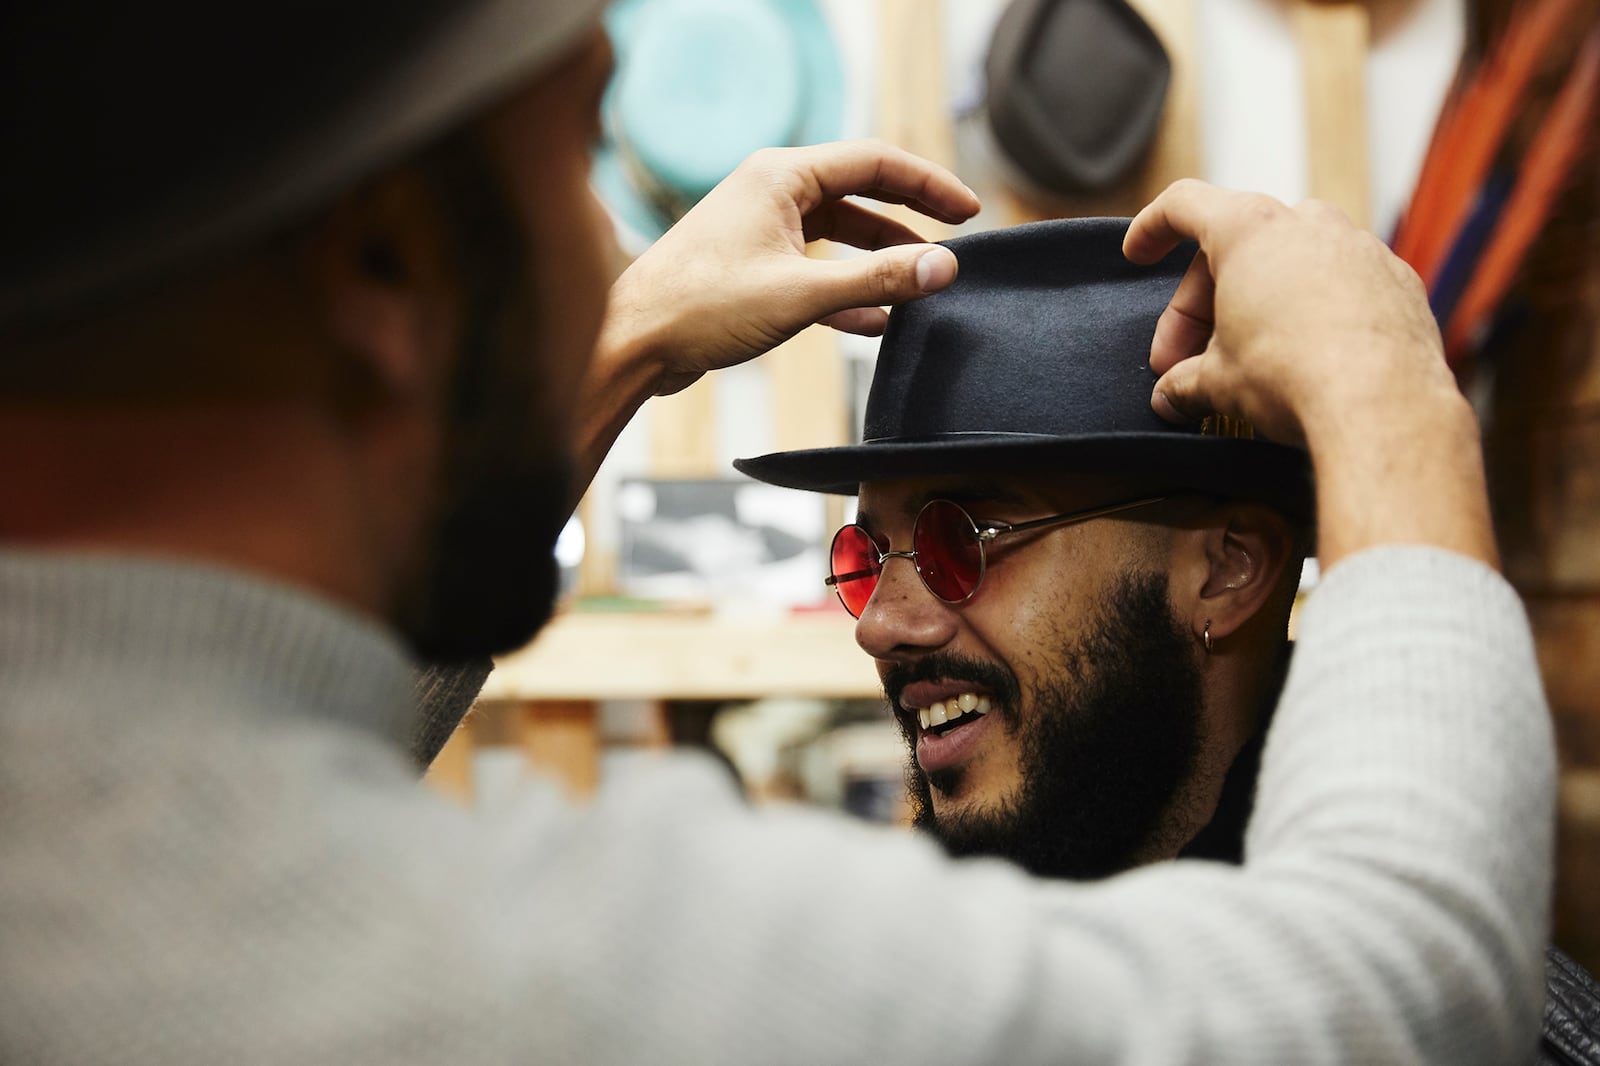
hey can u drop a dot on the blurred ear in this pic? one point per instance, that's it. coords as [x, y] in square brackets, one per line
[379, 261]
[1236, 559]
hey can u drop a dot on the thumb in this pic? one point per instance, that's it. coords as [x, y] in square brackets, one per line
[1180, 394]
[887, 276]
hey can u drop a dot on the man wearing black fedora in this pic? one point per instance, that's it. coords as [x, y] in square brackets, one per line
[303, 321]
[1088, 689]
[1076, 687]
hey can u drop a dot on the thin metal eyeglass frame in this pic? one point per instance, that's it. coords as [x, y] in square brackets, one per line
[989, 531]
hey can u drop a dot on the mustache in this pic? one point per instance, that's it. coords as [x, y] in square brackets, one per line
[995, 679]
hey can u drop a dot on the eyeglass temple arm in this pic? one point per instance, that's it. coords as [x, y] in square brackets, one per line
[1000, 529]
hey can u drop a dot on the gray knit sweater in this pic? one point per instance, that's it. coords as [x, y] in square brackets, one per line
[213, 849]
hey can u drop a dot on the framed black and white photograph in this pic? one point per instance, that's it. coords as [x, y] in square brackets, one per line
[721, 539]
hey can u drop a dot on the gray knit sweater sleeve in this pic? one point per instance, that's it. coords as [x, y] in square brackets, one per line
[1391, 908]
[215, 851]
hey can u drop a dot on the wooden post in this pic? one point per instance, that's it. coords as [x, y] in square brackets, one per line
[1333, 55]
[913, 102]
[807, 391]
[561, 738]
[451, 770]
[683, 431]
[1177, 152]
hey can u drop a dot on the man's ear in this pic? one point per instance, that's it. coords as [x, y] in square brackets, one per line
[379, 262]
[1239, 561]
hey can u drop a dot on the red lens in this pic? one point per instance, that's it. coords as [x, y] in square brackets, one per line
[949, 555]
[854, 559]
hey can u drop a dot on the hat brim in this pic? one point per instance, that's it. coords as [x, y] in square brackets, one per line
[1232, 468]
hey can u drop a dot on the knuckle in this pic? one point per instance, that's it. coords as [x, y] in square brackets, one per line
[1263, 208]
[1408, 278]
[1183, 191]
[764, 159]
[1324, 211]
[888, 278]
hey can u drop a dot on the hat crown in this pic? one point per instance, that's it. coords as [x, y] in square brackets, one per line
[1046, 331]
[1037, 358]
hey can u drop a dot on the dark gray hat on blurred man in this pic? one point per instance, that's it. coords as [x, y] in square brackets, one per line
[120, 169]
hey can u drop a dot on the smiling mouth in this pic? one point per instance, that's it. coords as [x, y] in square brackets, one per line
[941, 716]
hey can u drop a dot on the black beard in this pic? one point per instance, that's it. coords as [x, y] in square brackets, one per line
[1104, 747]
[504, 485]
[494, 578]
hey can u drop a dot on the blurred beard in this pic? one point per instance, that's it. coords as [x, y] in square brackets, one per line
[505, 483]
[494, 578]
[1109, 740]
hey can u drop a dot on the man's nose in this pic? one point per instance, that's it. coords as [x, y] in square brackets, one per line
[902, 618]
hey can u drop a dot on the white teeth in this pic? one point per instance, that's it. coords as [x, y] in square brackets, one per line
[940, 712]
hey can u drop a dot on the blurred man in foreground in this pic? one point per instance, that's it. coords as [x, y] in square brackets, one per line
[298, 342]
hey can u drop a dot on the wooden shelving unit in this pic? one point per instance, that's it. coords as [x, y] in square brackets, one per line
[676, 656]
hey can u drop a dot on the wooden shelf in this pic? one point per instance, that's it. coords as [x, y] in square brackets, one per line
[583, 656]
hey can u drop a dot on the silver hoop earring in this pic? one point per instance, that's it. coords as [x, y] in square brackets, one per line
[1205, 637]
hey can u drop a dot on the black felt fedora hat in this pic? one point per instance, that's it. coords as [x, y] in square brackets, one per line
[1037, 358]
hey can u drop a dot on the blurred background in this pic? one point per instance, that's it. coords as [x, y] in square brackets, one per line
[1462, 131]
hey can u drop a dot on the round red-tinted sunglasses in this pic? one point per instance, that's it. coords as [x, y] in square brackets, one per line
[948, 548]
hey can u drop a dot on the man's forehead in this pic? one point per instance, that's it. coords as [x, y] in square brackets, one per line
[904, 497]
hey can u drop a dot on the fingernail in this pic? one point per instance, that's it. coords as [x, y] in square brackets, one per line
[1166, 408]
[935, 269]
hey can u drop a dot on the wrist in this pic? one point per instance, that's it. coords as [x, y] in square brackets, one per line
[628, 350]
[1403, 473]
[626, 369]
[1374, 423]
